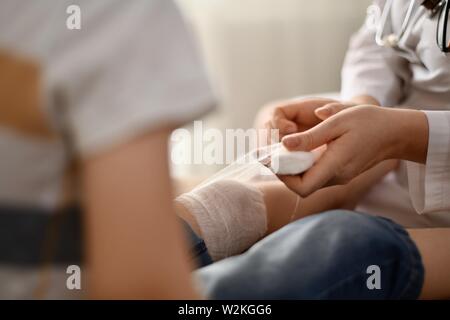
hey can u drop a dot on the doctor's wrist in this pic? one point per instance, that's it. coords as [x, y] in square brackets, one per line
[364, 99]
[411, 135]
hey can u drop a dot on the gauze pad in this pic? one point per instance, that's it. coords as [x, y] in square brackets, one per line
[229, 207]
[285, 162]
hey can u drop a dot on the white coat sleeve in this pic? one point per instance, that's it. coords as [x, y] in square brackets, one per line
[429, 184]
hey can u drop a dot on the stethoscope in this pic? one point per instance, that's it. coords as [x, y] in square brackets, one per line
[432, 6]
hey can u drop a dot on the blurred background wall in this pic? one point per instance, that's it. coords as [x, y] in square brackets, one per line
[258, 51]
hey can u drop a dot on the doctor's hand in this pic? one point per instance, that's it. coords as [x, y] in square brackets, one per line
[291, 116]
[297, 115]
[357, 139]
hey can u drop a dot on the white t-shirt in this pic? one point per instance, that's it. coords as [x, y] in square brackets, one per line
[72, 93]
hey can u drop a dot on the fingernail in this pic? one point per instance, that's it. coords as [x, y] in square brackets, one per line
[325, 111]
[290, 142]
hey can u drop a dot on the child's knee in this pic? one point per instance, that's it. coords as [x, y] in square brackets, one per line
[354, 231]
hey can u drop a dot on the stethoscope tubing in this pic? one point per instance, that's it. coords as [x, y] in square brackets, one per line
[392, 39]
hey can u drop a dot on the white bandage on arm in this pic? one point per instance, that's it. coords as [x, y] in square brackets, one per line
[231, 216]
[229, 209]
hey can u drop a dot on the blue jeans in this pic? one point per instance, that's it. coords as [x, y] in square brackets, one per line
[324, 256]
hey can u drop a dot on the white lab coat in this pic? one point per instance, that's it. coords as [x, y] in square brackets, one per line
[417, 77]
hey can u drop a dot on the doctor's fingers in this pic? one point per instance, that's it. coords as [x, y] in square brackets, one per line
[331, 109]
[339, 165]
[294, 183]
[323, 133]
[321, 175]
[275, 132]
[278, 126]
[299, 111]
[333, 168]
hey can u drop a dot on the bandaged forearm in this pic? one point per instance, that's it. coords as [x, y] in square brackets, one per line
[231, 216]
[230, 209]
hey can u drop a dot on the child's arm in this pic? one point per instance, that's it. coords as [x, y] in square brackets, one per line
[434, 247]
[279, 199]
[135, 248]
[281, 207]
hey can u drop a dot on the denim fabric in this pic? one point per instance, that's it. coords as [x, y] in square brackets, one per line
[199, 252]
[324, 256]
